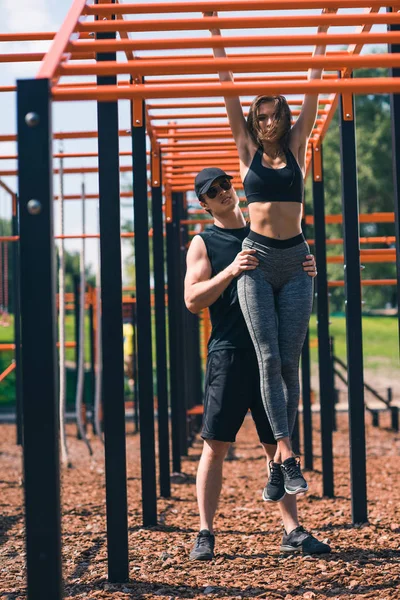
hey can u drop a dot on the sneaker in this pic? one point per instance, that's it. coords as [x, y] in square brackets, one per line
[204, 546]
[300, 540]
[274, 490]
[293, 479]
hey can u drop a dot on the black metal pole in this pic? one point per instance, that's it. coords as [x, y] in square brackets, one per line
[352, 279]
[172, 230]
[143, 313]
[112, 334]
[324, 354]
[395, 121]
[17, 324]
[180, 267]
[306, 398]
[306, 387]
[38, 324]
[160, 321]
[134, 370]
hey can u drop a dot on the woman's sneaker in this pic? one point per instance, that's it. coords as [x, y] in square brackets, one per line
[293, 480]
[274, 490]
[203, 546]
[300, 540]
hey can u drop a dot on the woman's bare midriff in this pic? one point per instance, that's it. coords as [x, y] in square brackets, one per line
[280, 220]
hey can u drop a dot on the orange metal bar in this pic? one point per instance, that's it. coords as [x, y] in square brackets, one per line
[67, 135]
[107, 93]
[341, 39]
[365, 282]
[27, 37]
[9, 369]
[228, 5]
[270, 22]
[220, 104]
[54, 56]
[250, 64]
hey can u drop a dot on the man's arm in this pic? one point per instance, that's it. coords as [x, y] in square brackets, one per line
[200, 289]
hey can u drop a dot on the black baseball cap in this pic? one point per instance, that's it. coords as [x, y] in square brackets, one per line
[205, 178]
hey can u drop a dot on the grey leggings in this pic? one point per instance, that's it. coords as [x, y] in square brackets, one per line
[276, 301]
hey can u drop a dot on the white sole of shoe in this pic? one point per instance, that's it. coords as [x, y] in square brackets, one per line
[298, 491]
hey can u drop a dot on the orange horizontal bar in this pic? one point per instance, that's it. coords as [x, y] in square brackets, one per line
[9, 369]
[240, 22]
[68, 171]
[33, 36]
[388, 239]
[224, 5]
[221, 104]
[369, 258]
[111, 93]
[8, 88]
[365, 282]
[21, 57]
[6, 346]
[341, 39]
[249, 64]
[67, 135]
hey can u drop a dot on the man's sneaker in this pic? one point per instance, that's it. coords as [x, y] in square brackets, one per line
[274, 490]
[293, 479]
[203, 546]
[299, 540]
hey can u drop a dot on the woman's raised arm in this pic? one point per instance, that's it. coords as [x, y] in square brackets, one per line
[234, 109]
[303, 127]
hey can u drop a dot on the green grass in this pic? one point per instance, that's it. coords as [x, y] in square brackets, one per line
[380, 340]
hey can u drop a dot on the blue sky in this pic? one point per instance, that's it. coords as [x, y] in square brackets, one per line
[48, 15]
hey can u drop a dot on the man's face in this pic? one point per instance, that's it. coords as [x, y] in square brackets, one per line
[221, 197]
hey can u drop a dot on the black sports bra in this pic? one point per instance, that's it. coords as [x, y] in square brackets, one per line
[265, 184]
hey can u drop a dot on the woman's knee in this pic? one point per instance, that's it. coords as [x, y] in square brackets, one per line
[272, 364]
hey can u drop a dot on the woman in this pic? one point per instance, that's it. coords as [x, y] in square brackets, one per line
[275, 298]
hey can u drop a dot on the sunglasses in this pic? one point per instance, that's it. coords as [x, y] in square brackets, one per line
[224, 184]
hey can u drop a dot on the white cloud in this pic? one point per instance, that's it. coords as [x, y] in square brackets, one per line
[25, 15]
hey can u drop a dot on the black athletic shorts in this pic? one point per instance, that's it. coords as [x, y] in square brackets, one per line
[232, 387]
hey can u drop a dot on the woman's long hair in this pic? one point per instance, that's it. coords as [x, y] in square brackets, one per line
[282, 115]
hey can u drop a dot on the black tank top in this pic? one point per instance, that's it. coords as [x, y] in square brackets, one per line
[264, 184]
[229, 330]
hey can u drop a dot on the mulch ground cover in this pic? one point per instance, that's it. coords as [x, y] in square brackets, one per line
[364, 563]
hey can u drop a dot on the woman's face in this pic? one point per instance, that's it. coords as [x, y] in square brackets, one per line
[271, 131]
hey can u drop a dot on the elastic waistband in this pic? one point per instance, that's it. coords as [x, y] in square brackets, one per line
[273, 242]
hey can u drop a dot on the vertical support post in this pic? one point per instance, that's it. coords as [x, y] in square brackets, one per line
[172, 229]
[92, 352]
[17, 322]
[306, 398]
[306, 388]
[395, 121]
[134, 369]
[352, 279]
[333, 390]
[324, 353]
[111, 330]
[38, 326]
[76, 318]
[161, 340]
[143, 314]
[180, 308]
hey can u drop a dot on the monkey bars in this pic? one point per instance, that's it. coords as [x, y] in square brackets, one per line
[160, 59]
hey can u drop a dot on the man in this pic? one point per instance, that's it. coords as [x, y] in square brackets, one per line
[214, 262]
